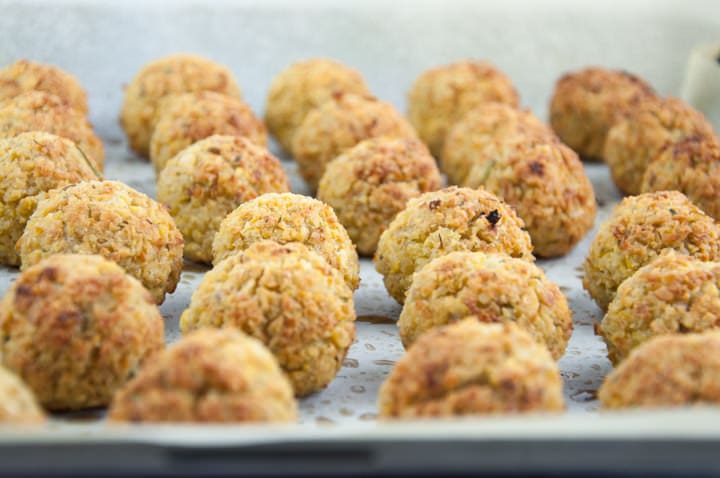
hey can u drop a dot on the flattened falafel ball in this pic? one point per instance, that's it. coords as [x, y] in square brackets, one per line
[674, 293]
[666, 371]
[586, 103]
[173, 74]
[30, 165]
[208, 376]
[491, 287]
[445, 221]
[477, 138]
[76, 328]
[184, 119]
[639, 230]
[110, 219]
[472, 368]
[639, 136]
[302, 87]
[443, 95]
[370, 183]
[286, 218]
[289, 298]
[18, 405]
[547, 185]
[206, 181]
[40, 111]
[24, 75]
[691, 166]
[339, 124]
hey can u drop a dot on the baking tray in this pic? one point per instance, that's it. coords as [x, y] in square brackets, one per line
[338, 429]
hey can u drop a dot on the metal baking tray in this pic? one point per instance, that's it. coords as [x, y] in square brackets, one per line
[105, 43]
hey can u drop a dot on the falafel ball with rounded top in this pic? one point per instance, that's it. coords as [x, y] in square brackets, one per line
[666, 371]
[25, 75]
[674, 293]
[31, 164]
[110, 219]
[286, 218]
[289, 298]
[302, 87]
[472, 368]
[370, 183]
[76, 328]
[173, 74]
[491, 287]
[441, 96]
[638, 137]
[639, 230]
[691, 166]
[445, 221]
[475, 139]
[206, 181]
[209, 376]
[184, 119]
[18, 405]
[339, 124]
[586, 103]
[41, 111]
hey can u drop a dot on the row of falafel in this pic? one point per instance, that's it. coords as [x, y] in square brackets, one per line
[464, 220]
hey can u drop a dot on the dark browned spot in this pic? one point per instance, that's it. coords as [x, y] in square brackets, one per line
[48, 273]
[214, 150]
[23, 291]
[493, 217]
[434, 204]
[537, 168]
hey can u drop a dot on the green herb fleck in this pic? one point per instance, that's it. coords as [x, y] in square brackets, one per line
[89, 163]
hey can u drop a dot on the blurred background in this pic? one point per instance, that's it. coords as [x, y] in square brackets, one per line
[104, 43]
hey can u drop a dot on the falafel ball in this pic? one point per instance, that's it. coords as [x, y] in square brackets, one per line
[586, 103]
[370, 183]
[639, 136]
[639, 230]
[302, 87]
[443, 95]
[691, 166]
[24, 75]
[209, 376]
[445, 221]
[18, 405]
[206, 181]
[30, 165]
[476, 138]
[472, 368]
[286, 218]
[491, 287]
[173, 74]
[40, 111]
[289, 298]
[666, 371]
[110, 219]
[184, 119]
[674, 293]
[547, 185]
[339, 124]
[76, 328]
